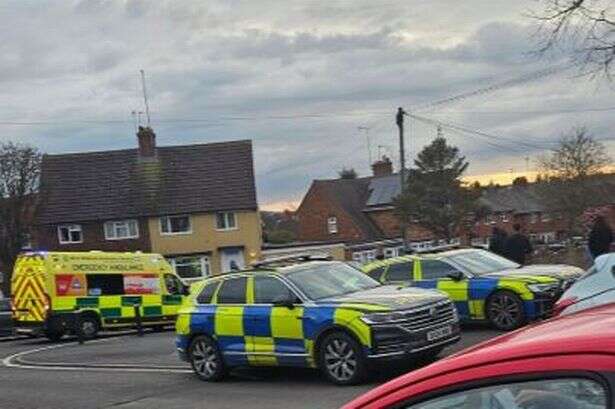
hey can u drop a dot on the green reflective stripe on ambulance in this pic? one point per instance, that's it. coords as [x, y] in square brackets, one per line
[171, 299]
[128, 301]
[87, 302]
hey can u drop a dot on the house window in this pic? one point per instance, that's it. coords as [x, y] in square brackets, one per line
[533, 217]
[175, 225]
[26, 241]
[191, 267]
[226, 221]
[332, 225]
[545, 217]
[70, 233]
[364, 256]
[123, 229]
[504, 217]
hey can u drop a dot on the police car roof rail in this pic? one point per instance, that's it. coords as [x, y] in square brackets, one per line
[294, 258]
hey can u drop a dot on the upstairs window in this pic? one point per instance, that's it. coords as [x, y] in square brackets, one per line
[226, 221]
[332, 225]
[175, 225]
[70, 234]
[122, 229]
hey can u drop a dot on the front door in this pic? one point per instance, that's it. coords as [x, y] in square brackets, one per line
[435, 274]
[231, 259]
[277, 331]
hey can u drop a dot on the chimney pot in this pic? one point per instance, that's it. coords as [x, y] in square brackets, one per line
[147, 142]
[382, 167]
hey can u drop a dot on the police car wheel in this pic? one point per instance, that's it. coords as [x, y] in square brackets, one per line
[505, 310]
[206, 359]
[342, 359]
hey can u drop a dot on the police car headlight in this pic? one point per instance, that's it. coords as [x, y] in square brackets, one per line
[381, 318]
[542, 288]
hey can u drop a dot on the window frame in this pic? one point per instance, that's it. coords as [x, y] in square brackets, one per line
[219, 289]
[71, 228]
[115, 223]
[168, 225]
[409, 275]
[290, 290]
[332, 225]
[225, 216]
[204, 260]
[453, 267]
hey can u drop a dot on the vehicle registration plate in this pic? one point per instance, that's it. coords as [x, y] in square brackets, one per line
[439, 333]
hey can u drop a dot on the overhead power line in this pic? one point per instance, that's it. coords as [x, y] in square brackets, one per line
[495, 87]
[491, 137]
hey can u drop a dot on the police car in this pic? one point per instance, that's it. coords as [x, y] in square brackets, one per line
[483, 285]
[309, 313]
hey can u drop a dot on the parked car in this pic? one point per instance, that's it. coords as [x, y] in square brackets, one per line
[563, 363]
[6, 320]
[484, 286]
[596, 287]
[323, 314]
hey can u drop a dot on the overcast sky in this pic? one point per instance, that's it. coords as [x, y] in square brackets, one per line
[296, 77]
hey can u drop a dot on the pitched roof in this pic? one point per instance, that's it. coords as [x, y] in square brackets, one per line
[383, 190]
[351, 195]
[118, 184]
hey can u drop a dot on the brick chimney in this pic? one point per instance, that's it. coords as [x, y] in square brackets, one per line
[383, 167]
[147, 142]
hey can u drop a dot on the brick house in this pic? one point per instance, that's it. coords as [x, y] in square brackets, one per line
[195, 204]
[523, 204]
[357, 212]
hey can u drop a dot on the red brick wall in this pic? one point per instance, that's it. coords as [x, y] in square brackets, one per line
[46, 238]
[386, 221]
[312, 217]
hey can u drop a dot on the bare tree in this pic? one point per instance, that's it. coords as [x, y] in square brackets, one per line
[585, 27]
[570, 181]
[579, 155]
[20, 167]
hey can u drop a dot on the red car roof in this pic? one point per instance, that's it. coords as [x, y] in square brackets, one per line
[587, 332]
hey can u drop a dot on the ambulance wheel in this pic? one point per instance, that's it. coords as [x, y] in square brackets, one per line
[206, 359]
[505, 310]
[341, 359]
[89, 326]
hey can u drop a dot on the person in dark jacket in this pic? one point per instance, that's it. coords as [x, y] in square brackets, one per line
[518, 246]
[600, 237]
[497, 242]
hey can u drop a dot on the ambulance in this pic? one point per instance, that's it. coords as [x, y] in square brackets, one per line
[55, 293]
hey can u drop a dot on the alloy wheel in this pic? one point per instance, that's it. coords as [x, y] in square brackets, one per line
[504, 311]
[205, 359]
[340, 359]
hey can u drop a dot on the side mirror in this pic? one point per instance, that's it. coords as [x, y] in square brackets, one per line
[185, 290]
[456, 276]
[284, 302]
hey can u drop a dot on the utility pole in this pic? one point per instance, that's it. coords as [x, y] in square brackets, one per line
[369, 147]
[399, 119]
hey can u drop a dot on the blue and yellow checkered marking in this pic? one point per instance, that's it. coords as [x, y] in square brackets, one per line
[471, 295]
[265, 335]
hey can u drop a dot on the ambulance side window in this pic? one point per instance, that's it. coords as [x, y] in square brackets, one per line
[105, 284]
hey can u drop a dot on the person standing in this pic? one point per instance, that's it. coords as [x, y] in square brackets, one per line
[518, 246]
[497, 242]
[600, 237]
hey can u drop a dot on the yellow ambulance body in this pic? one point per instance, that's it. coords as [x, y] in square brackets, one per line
[54, 293]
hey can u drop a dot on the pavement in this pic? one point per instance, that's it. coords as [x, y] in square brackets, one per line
[126, 371]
